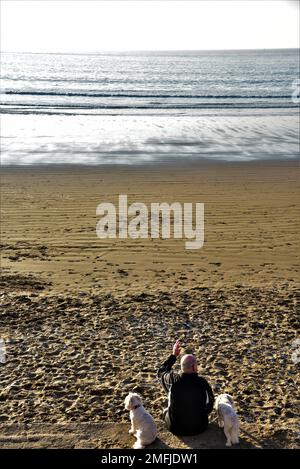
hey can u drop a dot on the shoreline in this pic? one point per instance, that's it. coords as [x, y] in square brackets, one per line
[170, 161]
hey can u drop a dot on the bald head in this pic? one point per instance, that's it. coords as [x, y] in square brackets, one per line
[188, 364]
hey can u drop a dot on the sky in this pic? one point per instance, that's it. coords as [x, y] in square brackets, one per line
[93, 26]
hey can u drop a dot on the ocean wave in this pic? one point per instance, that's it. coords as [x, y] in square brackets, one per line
[132, 109]
[145, 95]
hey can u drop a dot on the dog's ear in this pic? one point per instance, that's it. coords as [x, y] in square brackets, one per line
[128, 401]
[138, 397]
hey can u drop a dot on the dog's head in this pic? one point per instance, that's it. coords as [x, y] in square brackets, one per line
[132, 401]
[222, 398]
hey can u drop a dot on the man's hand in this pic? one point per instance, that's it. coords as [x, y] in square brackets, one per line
[176, 348]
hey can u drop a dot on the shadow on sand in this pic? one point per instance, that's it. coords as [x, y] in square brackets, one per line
[212, 438]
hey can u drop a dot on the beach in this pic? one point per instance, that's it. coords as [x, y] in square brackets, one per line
[251, 218]
[85, 320]
[149, 224]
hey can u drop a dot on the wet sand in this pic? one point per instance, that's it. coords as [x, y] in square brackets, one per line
[251, 215]
[85, 320]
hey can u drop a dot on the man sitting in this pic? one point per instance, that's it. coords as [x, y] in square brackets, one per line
[190, 397]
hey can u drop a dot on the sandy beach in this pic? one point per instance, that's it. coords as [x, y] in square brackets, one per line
[85, 320]
[251, 216]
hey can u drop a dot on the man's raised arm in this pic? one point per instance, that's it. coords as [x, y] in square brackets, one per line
[164, 372]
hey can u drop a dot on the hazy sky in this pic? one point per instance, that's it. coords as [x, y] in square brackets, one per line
[91, 26]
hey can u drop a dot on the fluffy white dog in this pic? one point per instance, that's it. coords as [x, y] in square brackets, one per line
[143, 426]
[228, 418]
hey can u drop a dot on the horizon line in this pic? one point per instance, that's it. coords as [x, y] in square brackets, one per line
[128, 51]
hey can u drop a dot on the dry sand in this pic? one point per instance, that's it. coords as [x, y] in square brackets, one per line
[84, 320]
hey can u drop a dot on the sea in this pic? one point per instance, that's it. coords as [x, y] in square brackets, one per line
[149, 107]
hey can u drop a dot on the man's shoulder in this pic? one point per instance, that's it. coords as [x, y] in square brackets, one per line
[203, 382]
[202, 379]
[191, 380]
[199, 380]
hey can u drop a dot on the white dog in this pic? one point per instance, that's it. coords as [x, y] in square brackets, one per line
[143, 426]
[228, 418]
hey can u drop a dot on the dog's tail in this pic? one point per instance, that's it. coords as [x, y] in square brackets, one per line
[237, 425]
[236, 431]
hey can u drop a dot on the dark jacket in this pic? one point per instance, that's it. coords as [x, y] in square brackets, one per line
[190, 400]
